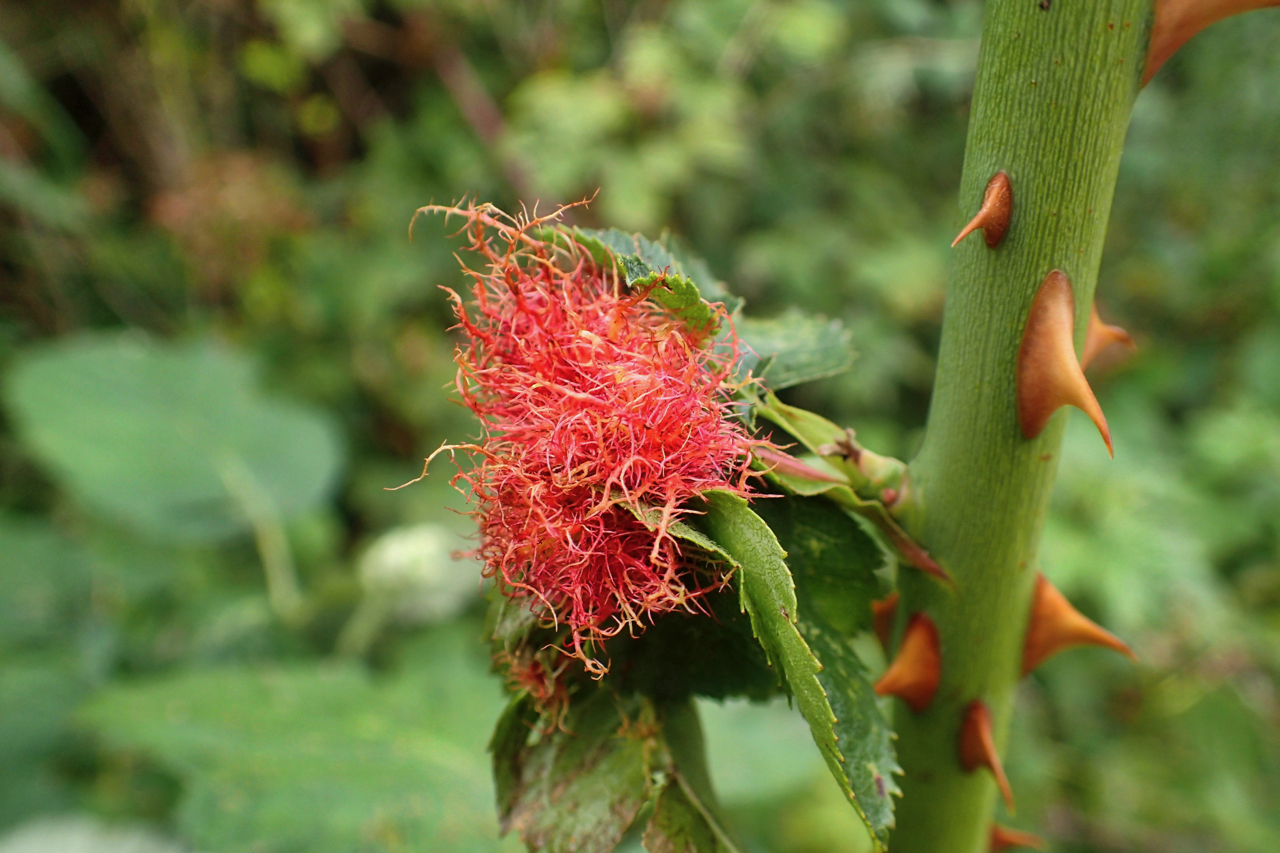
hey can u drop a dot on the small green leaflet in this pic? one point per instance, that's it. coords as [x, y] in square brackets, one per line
[645, 263]
[641, 258]
[828, 681]
[785, 350]
[580, 787]
[835, 563]
[794, 348]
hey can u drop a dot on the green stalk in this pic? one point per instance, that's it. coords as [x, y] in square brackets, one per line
[1051, 105]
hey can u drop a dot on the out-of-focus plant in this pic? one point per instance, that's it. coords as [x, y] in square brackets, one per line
[234, 179]
[589, 369]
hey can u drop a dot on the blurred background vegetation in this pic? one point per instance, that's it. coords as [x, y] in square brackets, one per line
[217, 346]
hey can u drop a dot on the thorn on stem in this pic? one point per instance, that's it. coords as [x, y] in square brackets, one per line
[882, 616]
[994, 215]
[978, 747]
[1049, 374]
[1100, 336]
[915, 673]
[1002, 838]
[1056, 626]
[1176, 21]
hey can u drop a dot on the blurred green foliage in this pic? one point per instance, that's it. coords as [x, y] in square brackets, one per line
[218, 346]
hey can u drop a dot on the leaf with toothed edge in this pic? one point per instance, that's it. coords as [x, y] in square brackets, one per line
[785, 351]
[685, 816]
[645, 263]
[824, 674]
[579, 788]
[507, 748]
[794, 348]
[729, 662]
[834, 563]
[641, 257]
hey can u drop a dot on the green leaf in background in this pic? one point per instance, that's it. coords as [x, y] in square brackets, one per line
[45, 582]
[862, 768]
[172, 440]
[38, 696]
[323, 759]
[85, 834]
[795, 347]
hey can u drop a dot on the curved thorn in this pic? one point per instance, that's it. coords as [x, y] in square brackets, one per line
[1100, 336]
[1049, 374]
[882, 616]
[1056, 626]
[994, 215]
[1002, 838]
[1176, 21]
[978, 747]
[914, 675]
[911, 553]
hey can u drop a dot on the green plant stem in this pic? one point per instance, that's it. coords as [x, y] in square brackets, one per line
[1051, 105]
[283, 591]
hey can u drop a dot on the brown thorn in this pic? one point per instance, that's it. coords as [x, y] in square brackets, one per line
[882, 615]
[994, 215]
[1100, 336]
[1002, 838]
[1176, 21]
[978, 747]
[1055, 626]
[1049, 374]
[914, 674]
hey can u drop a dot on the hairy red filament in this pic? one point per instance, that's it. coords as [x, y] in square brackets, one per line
[599, 408]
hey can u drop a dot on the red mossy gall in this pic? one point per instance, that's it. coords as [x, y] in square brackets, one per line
[599, 408]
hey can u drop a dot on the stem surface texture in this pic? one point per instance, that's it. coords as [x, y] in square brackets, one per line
[1055, 87]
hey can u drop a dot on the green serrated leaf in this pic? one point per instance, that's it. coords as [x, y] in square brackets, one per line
[795, 348]
[582, 786]
[643, 264]
[652, 517]
[769, 595]
[641, 257]
[810, 429]
[833, 561]
[686, 816]
[510, 735]
[834, 564]
[679, 826]
[682, 300]
[729, 662]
